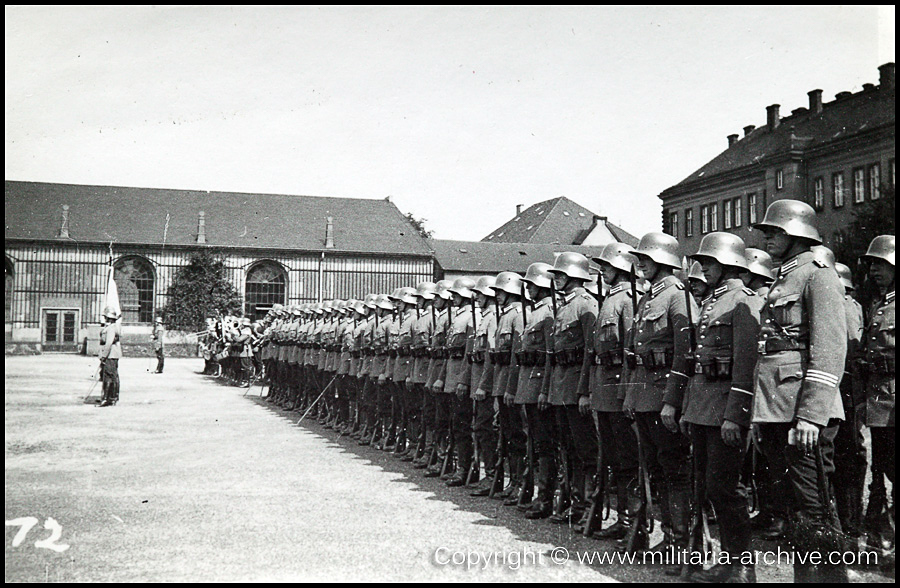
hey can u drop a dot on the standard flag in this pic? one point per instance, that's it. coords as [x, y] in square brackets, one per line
[112, 293]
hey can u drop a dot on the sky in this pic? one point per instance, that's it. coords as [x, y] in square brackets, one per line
[457, 114]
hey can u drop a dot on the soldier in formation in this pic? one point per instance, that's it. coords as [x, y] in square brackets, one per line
[743, 388]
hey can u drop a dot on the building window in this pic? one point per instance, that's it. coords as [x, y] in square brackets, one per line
[779, 179]
[859, 185]
[714, 216]
[704, 219]
[689, 222]
[9, 289]
[837, 187]
[738, 217]
[134, 280]
[673, 224]
[874, 181]
[727, 216]
[266, 285]
[752, 208]
[819, 194]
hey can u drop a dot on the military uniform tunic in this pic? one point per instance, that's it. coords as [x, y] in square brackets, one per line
[877, 350]
[404, 359]
[799, 368]
[508, 341]
[457, 369]
[481, 344]
[438, 361]
[573, 346]
[614, 321]
[534, 358]
[420, 343]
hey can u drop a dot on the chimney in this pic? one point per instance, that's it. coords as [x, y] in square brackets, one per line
[64, 227]
[519, 209]
[868, 87]
[798, 111]
[772, 118]
[815, 101]
[732, 139]
[329, 233]
[887, 80]
[201, 228]
[748, 129]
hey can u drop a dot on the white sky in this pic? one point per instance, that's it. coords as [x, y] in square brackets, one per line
[457, 113]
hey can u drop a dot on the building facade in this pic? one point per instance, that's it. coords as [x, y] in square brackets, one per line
[60, 240]
[834, 155]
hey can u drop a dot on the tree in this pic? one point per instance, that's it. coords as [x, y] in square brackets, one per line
[419, 225]
[201, 289]
[872, 218]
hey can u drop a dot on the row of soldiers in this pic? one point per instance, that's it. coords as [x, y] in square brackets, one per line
[651, 393]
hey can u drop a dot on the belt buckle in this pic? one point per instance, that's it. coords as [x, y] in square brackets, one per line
[761, 347]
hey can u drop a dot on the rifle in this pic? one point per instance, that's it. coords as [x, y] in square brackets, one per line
[598, 496]
[641, 527]
[699, 531]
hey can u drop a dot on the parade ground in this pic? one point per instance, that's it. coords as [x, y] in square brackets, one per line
[191, 480]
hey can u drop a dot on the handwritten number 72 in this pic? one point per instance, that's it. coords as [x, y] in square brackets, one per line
[26, 523]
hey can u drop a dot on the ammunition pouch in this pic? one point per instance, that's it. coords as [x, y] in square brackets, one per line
[611, 358]
[530, 358]
[456, 352]
[404, 351]
[877, 365]
[420, 352]
[393, 352]
[439, 353]
[568, 357]
[501, 357]
[354, 353]
[773, 345]
[714, 369]
[476, 356]
[651, 360]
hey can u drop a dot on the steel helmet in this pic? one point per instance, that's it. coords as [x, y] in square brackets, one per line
[759, 263]
[245, 321]
[319, 308]
[823, 255]
[383, 301]
[407, 295]
[574, 265]
[276, 307]
[326, 306]
[539, 275]
[110, 312]
[509, 282]
[661, 248]
[426, 290]
[618, 255]
[725, 248]
[359, 306]
[845, 275]
[442, 289]
[370, 300]
[881, 247]
[463, 287]
[796, 218]
[696, 272]
[485, 285]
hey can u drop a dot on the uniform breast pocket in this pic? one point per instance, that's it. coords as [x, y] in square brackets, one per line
[720, 332]
[504, 341]
[534, 339]
[656, 319]
[570, 335]
[786, 310]
[790, 372]
[886, 333]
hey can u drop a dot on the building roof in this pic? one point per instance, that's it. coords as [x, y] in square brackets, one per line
[33, 211]
[843, 118]
[555, 221]
[481, 257]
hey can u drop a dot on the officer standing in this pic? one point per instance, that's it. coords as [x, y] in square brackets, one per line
[797, 405]
[423, 400]
[656, 375]
[482, 381]
[457, 376]
[159, 333]
[877, 360]
[110, 353]
[719, 399]
[443, 399]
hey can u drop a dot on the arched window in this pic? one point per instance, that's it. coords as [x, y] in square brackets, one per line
[8, 291]
[266, 285]
[134, 280]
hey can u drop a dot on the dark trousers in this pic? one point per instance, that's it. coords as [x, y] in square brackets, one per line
[620, 449]
[512, 427]
[160, 360]
[578, 438]
[542, 429]
[850, 472]
[414, 431]
[384, 407]
[428, 410]
[443, 411]
[720, 467]
[668, 462]
[463, 411]
[110, 378]
[810, 513]
[485, 433]
[879, 520]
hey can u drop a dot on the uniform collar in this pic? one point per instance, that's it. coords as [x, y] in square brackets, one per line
[511, 307]
[617, 288]
[542, 303]
[655, 289]
[571, 295]
[461, 310]
[793, 263]
[889, 297]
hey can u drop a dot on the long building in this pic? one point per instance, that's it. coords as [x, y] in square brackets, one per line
[283, 249]
[833, 155]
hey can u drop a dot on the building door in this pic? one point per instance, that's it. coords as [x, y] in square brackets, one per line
[60, 331]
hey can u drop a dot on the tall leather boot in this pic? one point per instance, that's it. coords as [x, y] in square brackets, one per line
[680, 509]
[542, 505]
[514, 490]
[620, 528]
[527, 492]
[464, 453]
[636, 538]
